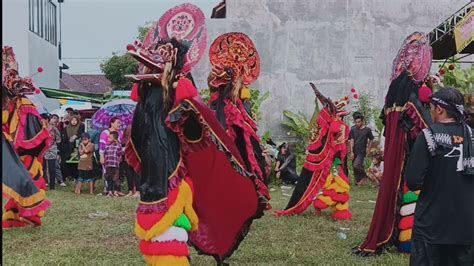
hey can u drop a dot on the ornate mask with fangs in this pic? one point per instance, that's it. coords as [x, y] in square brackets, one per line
[233, 56]
[14, 84]
[185, 23]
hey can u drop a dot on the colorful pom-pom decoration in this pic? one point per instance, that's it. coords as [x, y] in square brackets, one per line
[134, 94]
[424, 94]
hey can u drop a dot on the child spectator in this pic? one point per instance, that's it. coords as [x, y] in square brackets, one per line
[113, 156]
[375, 171]
[114, 126]
[86, 152]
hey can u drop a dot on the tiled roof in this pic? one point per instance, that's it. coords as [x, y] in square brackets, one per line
[85, 83]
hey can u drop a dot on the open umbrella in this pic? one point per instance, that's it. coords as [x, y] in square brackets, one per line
[123, 109]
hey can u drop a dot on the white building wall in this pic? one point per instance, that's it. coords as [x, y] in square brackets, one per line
[43, 54]
[31, 50]
[337, 44]
[15, 23]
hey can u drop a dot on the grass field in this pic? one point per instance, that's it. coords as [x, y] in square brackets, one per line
[69, 237]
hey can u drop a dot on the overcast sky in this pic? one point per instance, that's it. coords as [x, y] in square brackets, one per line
[93, 29]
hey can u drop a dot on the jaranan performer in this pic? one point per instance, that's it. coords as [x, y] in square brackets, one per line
[193, 182]
[405, 115]
[24, 142]
[235, 65]
[323, 167]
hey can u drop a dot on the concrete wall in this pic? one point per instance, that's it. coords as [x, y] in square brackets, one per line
[31, 50]
[338, 44]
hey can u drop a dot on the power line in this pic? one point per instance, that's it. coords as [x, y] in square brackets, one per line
[88, 58]
[86, 71]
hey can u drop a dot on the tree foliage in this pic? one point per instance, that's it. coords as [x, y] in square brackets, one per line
[121, 64]
[365, 106]
[454, 76]
[462, 79]
[116, 67]
[143, 30]
[299, 126]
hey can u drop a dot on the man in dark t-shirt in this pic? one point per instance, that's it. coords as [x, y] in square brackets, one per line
[360, 139]
[442, 166]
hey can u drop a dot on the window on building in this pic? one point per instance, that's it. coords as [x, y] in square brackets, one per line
[51, 24]
[43, 20]
[35, 16]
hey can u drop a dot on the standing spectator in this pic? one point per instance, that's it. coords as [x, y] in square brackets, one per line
[69, 111]
[65, 119]
[51, 155]
[63, 123]
[132, 177]
[54, 121]
[360, 139]
[441, 165]
[112, 158]
[114, 126]
[286, 165]
[86, 151]
[70, 137]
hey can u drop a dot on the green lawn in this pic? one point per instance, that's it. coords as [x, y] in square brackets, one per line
[69, 237]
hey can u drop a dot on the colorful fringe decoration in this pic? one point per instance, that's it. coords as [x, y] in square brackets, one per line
[163, 236]
[407, 213]
[335, 194]
[20, 117]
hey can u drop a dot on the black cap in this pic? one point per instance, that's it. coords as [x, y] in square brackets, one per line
[45, 116]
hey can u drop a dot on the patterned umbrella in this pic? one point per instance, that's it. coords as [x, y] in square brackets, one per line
[123, 109]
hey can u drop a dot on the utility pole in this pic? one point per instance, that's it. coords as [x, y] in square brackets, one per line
[60, 40]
